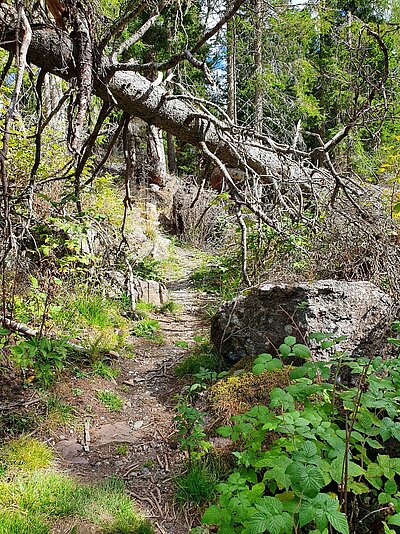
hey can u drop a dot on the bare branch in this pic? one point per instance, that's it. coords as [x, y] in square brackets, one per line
[141, 31]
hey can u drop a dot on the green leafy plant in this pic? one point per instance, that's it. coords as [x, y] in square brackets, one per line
[45, 358]
[148, 329]
[142, 309]
[306, 460]
[190, 432]
[202, 356]
[203, 378]
[219, 275]
[171, 307]
[122, 449]
[149, 269]
[103, 370]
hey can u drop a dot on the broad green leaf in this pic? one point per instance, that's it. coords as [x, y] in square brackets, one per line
[301, 351]
[258, 368]
[289, 340]
[337, 469]
[358, 488]
[212, 516]
[257, 524]
[277, 524]
[307, 479]
[285, 350]
[384, 498]
[390, 487]
[394, 520]
[224, 431]
[339, 521]
[298, 372]
[262, 358]
[270, 505]
[309, 450]
[273, 364]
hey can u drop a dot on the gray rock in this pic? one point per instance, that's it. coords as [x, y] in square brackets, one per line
[148, 291]
[71, 452]
[256, 323]
[119, 432]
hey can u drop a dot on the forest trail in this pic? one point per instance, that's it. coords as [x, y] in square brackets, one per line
[137, 444]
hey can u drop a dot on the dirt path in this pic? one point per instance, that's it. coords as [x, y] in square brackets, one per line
[137, 443]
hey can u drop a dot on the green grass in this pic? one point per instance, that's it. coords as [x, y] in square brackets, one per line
[111, 400]
[148, 329]
[196, 486]
[17, 522]
[171, 307]
[203, 355]
[58, 412]
[14, 423]
[32, 501]
[218, 275]
[103, 370]
[26, 454]
[94, 309]
[142, 309]
[122, 449]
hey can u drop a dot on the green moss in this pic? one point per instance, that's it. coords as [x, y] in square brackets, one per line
[237, 394]
[27, 454]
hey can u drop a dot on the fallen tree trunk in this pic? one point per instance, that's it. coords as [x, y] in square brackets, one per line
[53, 51]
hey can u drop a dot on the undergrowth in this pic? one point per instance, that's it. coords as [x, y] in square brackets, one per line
[111, 400]
[319, 455]
[196, 485]
[202, 355]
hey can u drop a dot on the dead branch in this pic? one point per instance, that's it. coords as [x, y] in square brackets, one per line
[25, 330]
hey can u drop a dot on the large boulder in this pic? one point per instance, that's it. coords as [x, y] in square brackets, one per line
[258, 322]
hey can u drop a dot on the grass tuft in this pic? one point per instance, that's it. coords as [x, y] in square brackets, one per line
[103, 370]
[196, 486]
[203, 355]
[111, 400]
[27, 454]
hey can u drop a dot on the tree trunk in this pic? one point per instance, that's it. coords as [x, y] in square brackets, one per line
[231, 70]
[172, 165]
[157, 167]
[259, 93]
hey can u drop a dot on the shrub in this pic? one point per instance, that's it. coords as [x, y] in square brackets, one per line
[310, 456]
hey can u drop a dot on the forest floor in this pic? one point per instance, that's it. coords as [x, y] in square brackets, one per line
[137, 442]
